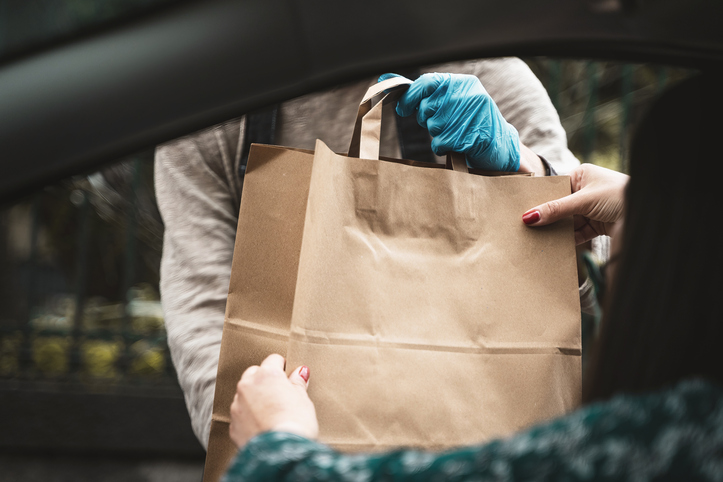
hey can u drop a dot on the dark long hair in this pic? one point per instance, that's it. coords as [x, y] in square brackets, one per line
[664, 318]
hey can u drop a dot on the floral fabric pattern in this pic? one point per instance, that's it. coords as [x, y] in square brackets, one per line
[675, 434]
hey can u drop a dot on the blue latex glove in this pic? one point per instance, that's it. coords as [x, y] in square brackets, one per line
[462, 117]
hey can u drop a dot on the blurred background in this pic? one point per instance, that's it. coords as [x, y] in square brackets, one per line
[82, 337]
[81, 319]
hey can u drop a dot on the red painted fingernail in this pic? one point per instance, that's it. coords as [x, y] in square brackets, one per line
[304, 373]
[531, 217]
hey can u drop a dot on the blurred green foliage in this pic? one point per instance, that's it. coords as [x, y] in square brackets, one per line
[10, 354]
[51, 354]
[101, 343]
[100, 357]
[600, 102]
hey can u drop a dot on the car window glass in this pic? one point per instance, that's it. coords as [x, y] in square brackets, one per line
[80, 258]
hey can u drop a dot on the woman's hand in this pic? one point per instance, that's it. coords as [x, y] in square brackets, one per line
[266, 400]
[596, 203]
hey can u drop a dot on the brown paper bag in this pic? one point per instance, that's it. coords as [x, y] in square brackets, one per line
[429, 315]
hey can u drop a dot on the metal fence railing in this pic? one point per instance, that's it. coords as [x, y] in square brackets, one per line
[79, 287]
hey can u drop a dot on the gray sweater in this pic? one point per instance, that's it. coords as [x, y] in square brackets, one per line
[199, 192]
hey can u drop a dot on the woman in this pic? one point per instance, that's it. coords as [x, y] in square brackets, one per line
[653, 407]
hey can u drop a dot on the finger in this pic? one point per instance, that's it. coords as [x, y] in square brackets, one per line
[427, 108]
[236, 406]
[421, 88]
[232, 433]
[442, 143]
[549, 212]
[300, 377]
[275, 361]
[249, 372]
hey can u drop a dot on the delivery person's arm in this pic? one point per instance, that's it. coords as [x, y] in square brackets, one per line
[523, 102]
[198, 196]
[462, 117]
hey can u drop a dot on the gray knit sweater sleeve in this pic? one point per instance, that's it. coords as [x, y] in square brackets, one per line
[198, 196]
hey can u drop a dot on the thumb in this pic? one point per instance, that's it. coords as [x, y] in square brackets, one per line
[300, 377]
[552, 211]
[420, 89]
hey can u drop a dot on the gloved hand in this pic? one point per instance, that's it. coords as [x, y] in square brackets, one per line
[462, 117]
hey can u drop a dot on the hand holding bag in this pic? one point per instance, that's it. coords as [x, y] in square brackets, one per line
[429, 315]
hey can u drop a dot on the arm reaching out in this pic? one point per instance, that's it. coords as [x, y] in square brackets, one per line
[596, 203]
[462, 117]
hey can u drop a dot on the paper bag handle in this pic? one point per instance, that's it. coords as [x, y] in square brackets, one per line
[378, 88]
[457, 162]
[365, 108]
[366, 137]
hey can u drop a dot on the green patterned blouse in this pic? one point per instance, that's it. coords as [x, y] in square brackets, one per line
[675, 434]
